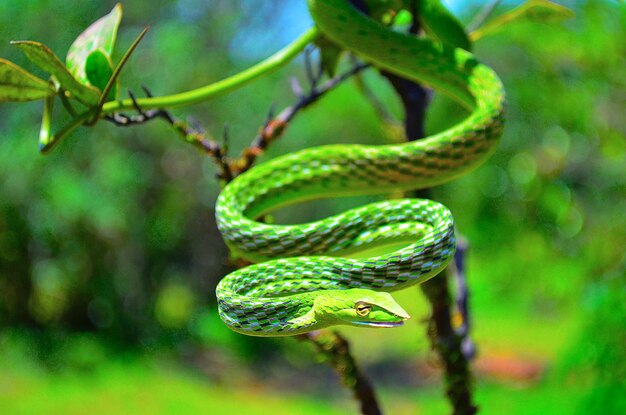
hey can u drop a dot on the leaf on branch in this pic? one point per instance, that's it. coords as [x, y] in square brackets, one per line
[540, 11]
[112, 84]
[99, 69]
[42, 56]
[438, 22]
[100, 36]
[18, 85]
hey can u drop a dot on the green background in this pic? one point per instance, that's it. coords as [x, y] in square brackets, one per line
[109, 253]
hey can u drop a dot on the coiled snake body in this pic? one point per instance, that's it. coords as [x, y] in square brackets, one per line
[313, 275]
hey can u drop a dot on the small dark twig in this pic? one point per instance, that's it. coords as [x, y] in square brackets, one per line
[192, 135]
[135, 103]
[335, 349]
[125, 120]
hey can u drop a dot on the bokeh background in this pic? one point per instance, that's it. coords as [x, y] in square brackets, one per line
[109, 253]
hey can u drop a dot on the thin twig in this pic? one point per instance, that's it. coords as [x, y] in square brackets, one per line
[275, 127]
[272, 129]
[192, 135]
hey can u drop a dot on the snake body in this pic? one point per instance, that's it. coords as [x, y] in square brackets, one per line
[318, 274]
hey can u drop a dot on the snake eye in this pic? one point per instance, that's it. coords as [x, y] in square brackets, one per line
[362, 309]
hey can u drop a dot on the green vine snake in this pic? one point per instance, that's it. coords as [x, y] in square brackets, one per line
[314, 275]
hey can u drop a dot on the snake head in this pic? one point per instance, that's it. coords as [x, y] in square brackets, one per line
[359, 307]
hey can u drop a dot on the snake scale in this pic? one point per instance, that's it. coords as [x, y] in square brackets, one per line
[314, 275]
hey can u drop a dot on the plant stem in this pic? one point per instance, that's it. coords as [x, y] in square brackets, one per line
[274, 62]
[449, 345]
[335, 349]
[229, 84]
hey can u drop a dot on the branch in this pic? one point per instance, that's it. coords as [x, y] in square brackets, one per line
[194, 136]
[448, 344]
[335, 349]
[444, 339]
[274, 127]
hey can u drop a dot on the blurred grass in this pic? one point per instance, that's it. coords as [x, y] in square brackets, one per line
[156, 384]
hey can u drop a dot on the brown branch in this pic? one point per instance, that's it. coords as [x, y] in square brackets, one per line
[444, 339]
[275, 127]
[449, 345]
[193, 135]
[335, 350]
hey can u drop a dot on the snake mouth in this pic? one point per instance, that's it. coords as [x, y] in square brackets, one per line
[379, 323]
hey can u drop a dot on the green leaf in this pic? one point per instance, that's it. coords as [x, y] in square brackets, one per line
[99, 69]
[42, 56]
[113, 83]
[17, 84]
[542, 11]
[101, 36]
[441, 24]
[330, 54]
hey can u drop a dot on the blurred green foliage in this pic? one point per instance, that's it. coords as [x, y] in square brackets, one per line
[111, 238]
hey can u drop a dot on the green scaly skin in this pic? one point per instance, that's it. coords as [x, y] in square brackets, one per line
[314, 275]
